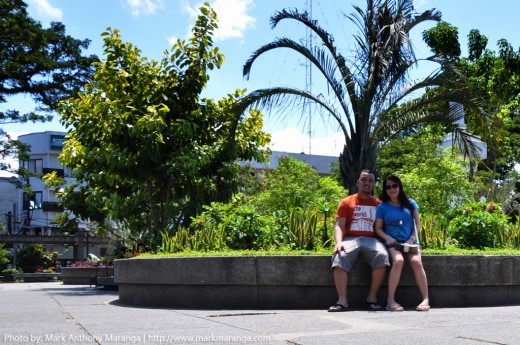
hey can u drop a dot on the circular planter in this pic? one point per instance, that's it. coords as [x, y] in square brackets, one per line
[84, 275]
[295, 282]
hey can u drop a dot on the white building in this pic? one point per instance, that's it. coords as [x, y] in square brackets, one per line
[33, 214]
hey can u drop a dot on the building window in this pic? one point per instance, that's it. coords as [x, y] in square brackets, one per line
[33, 165]
[32, 200]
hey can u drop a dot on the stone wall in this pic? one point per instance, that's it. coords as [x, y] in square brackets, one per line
[296, 282]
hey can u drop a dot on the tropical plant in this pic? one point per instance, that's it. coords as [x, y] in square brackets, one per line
[481, 224]
[433, 231]
[302, 227]
[370, 92]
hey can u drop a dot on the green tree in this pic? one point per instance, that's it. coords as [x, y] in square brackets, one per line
[443, 40]
[31, 257]
[439, 182]
[44, 63]
[495, 75]
[145, 149]
[293, 184]
[367, 88]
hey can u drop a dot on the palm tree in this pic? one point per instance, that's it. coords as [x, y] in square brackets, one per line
[369, 95]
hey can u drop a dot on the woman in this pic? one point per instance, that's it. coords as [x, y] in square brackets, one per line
[397, 221]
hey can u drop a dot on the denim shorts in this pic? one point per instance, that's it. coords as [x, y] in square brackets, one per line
[369, 249]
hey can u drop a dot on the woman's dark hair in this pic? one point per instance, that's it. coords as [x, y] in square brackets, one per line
[403, 199]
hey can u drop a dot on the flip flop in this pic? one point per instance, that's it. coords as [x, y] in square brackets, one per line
[422, 308]
[396, 307]
[373, 305]
[337, 308]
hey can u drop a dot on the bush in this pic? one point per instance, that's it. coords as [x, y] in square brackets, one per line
[33, 257]
[480, 225]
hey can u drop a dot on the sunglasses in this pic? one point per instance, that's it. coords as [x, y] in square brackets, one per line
[392, 186]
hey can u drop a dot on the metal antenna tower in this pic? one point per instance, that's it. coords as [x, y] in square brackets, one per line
[308, 72]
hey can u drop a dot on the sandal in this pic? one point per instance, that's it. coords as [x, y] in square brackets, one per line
[422, 307]
[373, 305]
[396, 307]
[337, 308]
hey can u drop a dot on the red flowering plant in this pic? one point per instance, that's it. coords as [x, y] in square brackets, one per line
[481, 224]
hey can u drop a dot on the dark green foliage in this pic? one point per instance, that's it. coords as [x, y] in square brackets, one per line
[33, 256]
[480, 225]
[443, 40]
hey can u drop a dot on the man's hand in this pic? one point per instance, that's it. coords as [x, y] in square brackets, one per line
[338, 248]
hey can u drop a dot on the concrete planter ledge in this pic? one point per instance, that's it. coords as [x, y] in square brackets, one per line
[84, 275]
[296, 282]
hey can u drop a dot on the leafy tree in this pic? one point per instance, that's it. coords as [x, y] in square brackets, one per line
[367, 88]
[291, 185]
[495, 75]
[443, 40]
[145, 149]
[439, 182]
[31, 257]
[44, 63]
[409, 150]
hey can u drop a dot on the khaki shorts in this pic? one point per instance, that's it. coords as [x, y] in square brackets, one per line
[369, 249]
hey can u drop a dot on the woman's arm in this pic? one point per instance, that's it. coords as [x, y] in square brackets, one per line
[416, 219]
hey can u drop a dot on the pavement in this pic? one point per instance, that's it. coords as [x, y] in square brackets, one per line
[53, 313]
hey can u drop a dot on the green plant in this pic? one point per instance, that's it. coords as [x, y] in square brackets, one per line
[433, 231]
[31, 257]
[480, 225]
[4, 260]
[302, 227]
[11, 271]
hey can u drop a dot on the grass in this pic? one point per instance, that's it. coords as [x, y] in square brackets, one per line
[326, 251]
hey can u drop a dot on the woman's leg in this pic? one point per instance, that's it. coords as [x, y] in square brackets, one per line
[420, 277]
[394, 276]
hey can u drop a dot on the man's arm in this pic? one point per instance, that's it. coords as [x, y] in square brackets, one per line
[338, 234]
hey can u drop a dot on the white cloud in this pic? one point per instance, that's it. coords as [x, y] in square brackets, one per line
[293, 140]
[46, 10]
[233, 19]
[232, 16]
[145, 7]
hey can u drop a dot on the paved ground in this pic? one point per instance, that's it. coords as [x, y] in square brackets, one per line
[52, 313]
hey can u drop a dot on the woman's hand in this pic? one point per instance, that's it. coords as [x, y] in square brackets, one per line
[390, 241]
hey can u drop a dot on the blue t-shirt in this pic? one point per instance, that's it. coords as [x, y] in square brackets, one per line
[397, 220]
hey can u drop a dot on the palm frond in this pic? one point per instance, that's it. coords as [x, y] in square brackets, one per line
[284, 98]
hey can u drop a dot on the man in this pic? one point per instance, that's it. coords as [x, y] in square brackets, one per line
[355, 236]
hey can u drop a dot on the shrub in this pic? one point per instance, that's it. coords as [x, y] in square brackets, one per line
[479, 225]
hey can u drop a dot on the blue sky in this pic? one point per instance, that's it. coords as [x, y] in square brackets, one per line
[152, 25]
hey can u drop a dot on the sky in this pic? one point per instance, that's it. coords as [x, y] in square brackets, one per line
[153, 25]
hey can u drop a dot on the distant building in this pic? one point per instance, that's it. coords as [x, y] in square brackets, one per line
[322, 164]
[30, 216]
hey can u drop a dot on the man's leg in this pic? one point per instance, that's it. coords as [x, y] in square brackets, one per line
[341, 282]
[378, 276]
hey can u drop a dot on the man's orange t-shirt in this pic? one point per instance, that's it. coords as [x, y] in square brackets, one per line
[360, 215]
